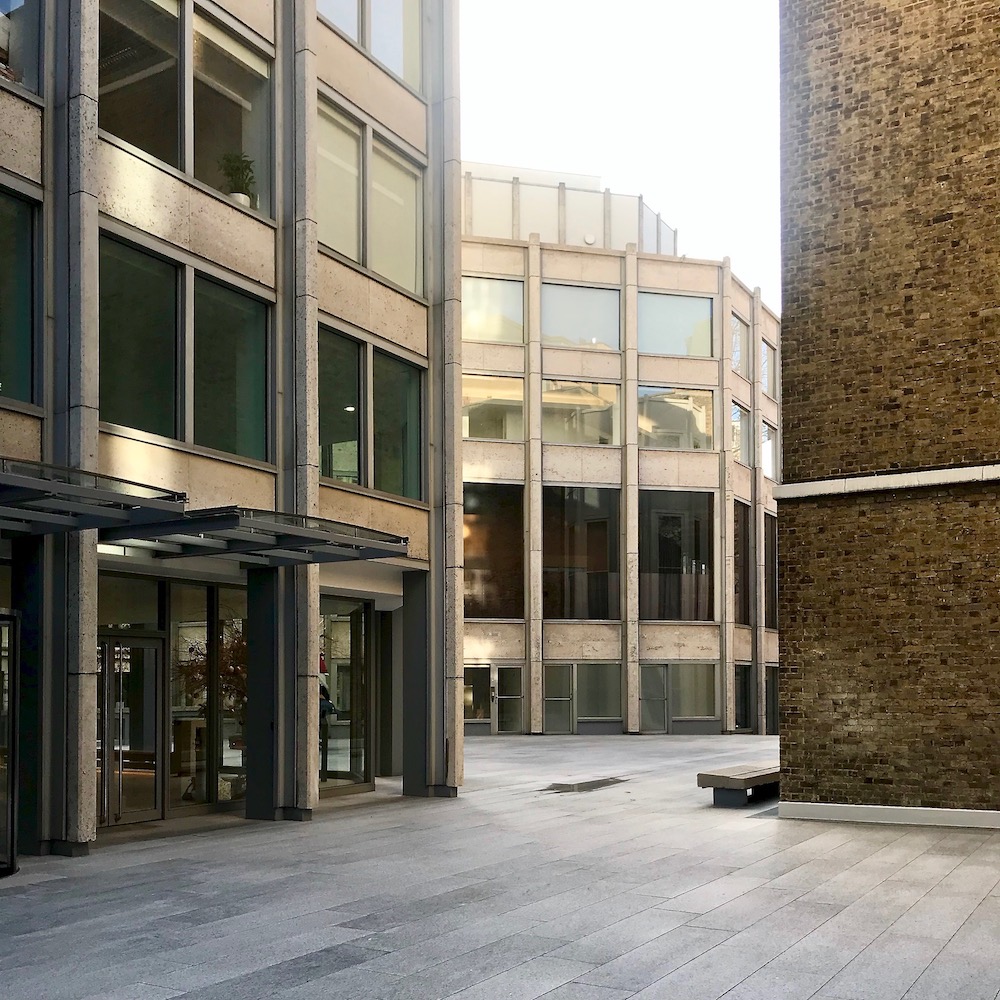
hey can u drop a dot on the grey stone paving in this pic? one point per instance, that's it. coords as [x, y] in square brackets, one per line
[639, 889]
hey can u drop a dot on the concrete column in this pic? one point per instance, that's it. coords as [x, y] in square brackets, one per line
[724, 561]
[758, 535]
[630, 488]
[533, 486]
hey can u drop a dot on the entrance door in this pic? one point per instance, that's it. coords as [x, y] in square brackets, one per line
[8, 745]
[129, 765]
[493, 700]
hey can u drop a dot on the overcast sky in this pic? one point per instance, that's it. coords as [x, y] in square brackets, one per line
[676, 100]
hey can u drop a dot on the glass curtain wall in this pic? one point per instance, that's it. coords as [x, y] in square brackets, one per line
[676, 562]
[493, 528]
[675, 324]
[20, 36]
[577, 316]
[580, 413]
[396, 426]
[493, 310]
[580, 553]
[493, 407]
[742, 563]
[679, 419]
[17, 293]
[340, 451]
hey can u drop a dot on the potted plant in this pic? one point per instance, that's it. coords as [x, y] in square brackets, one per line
[237, 168]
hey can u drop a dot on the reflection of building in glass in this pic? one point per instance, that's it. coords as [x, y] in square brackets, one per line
[619, 569]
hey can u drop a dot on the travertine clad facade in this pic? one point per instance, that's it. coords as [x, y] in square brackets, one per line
[890, 623]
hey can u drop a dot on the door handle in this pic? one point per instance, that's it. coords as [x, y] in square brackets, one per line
[493, 693]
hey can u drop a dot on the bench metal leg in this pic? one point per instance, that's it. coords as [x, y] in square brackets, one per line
[729, 798]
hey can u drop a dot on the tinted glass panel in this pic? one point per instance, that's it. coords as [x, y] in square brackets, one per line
[138, 304]
[575, 316]
[127, 602]
[477, 694]
[344, 692]
[342, 13]
[598, 691]
[230, 370]
[232, 117]
[395, 221]
[138, 66]
[493, 407]
[494, 551]
[742, 571]
[493, 310]
[745, 697]
[17, 259]
[580, 413]
[770, 571]
[395, 37]
[232, 695]
[338, 183]
[741, 346]
[339, 407]
[693, 694]
[397, 426]
[580, 560]
[675, 418]
[675, 324]
[190, 687]
[740, 422]
[676, 573]
[19, 38]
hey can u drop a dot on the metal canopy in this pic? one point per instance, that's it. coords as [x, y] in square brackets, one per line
[37, 499]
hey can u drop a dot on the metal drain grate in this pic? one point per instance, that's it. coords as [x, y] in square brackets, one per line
[584, 786]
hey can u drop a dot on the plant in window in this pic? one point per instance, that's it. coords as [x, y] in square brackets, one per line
[237, 168]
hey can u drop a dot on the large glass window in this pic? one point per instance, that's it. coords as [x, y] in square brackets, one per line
[493, 309]
[396, 426]
[742, 563]
[396, 234]
[741, 345]
[139, 67]
[494, 550]
[338, 183]
[339, 407]
[576, 316]
[676, 568]
[343, 13]
[745, 697]
[20, 21]
[693, 690]
[493, 407]
[17, 292]
[768, 369]
[190, 695]
[740, 422]
[598, 691]
[675, 418]
[580, 413]
[770, 571]
[230, 370]
[580, 558]
[769, 450]
[231, 700]
[138, 317]
[232, 117]
[395, 37]
[675, 324]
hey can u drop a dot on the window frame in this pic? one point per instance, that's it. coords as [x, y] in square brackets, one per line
[470, 374]
[713, 346]
[747, 361]
[479, 276]
[35, 94]
[710, 391]
[617, 416]
[775, 474]
[602, 349]
[772, 390]
[747, 427]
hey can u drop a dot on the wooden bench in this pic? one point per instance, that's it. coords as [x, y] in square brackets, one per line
[732, 786]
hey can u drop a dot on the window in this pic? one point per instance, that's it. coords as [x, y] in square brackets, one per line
[493, 309]
[20, 22]
[138, 324]
[494, 550]
[676, 570]
[580, 553]
[580, 413]
[742, 563]
[227, 84]
[598, 691]
[578, 694]
[768, 369]
[389, 29]
[17, 293]
[385, 234]
[230, 370]
[675, 324]
[340, 451]
[675, 418]
[575, 316]
[770, 571]
[693, 690]
[768, 450]
[653, 702]
[493, 407]
[396, 427]
[745, 697]
[741, 345]
[741, 434]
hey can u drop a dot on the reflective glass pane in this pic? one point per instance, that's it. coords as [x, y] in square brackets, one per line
[580, 413]
[6, 743]
[477, 694]
[652, 681]
[770, 571]
[138, 316]
[675, 418]
[741, 434]
[338, 183]
[741, 345]
[742, 564]
[768, 369]
[189, 695]
[230, 370]
[676, 570]
[232, 696]
[493, 529]
[577, 316]
[558, 716]
[138, 66]
[127, 602]
[769, 450]
[509, 682]
[137, 713]
[558, 680]
[509, 715]
[342, 13]
[395, 37]
[493, 407]
[653, 716]
[344, 686]
[339, 407]
[20, 21]
[397, 426]
[598, 691]
[232, 117]
[493, 309]
[675, 324]
[17, 291]
[395, 220]
[745, 697]
[693, 689]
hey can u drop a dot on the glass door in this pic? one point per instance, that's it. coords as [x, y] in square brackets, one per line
[8, 745]
[558, 693]
[493, 700]
[129, 773]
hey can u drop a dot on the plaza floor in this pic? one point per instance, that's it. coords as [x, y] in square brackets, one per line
[634, 889]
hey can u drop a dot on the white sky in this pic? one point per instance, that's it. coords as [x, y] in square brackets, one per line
[676, 100]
